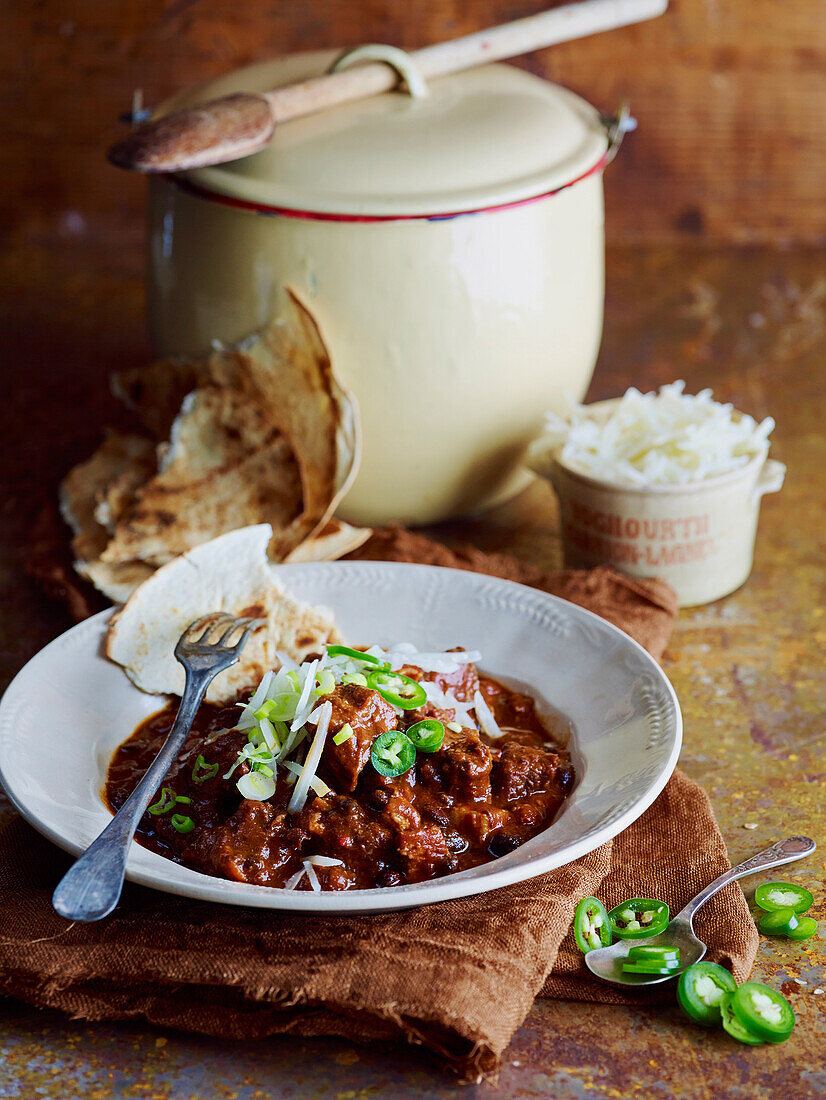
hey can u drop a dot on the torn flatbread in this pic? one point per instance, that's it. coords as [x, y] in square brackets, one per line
[225, 464]
[228, 574]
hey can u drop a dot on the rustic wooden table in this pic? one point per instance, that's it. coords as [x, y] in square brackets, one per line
[749, 671]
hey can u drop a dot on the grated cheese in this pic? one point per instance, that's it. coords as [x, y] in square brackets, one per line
[308, 868]
[665, 438]
[247, 721]
[317, 786]
[486, 720]
[312, 877]
[446, 700]
[305, 701]
[302, 786]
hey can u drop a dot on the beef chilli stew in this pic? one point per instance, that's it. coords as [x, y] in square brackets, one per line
[352, 771]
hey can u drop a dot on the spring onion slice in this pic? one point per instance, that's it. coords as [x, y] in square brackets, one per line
[325, 682]
[251, 753]
[344, 734]
[487, 722]
[256, 786]
[181, 823]
[279, 706]
[302, 786]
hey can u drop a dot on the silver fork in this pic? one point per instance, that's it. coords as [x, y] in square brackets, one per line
[91, 887]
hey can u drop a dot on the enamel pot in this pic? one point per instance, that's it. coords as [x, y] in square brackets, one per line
[449, 241]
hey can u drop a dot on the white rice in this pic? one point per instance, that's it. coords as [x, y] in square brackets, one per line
[665, 438]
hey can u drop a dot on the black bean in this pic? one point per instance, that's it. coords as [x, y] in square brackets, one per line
[503, 843]
[565, 777]
[455, 841]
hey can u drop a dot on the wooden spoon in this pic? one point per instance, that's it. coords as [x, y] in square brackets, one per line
[237, 125]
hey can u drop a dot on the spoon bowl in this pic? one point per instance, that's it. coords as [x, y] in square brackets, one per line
[606, 962]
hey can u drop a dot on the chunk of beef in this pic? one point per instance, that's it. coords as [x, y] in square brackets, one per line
[344, 830]
[461, 767]
[523, 770]
[401, 814]
[255, 845]
[368, 715]
[333, 878]
[376, 790]
[424, 853]
[478, 822]
[514, 712]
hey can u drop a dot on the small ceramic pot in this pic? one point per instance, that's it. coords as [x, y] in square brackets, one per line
[699, 537]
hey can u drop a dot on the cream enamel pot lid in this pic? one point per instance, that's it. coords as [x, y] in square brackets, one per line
[482, 138]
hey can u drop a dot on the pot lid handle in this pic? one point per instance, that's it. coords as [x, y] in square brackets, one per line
[397, 59]
[617, 126]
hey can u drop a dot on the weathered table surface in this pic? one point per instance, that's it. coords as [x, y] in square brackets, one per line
[749, 671]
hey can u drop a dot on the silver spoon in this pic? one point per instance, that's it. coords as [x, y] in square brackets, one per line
[92, 886]
[606, 962]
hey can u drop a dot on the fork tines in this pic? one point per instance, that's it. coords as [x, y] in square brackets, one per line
[199, 632]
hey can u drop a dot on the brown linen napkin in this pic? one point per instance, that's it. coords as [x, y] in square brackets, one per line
[459, 976]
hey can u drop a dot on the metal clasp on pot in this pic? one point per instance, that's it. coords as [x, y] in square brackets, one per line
[617, 126]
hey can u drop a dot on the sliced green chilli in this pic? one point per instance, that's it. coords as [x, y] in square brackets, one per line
[664, 956]
[592, 928]
[356, 655]
[701, 991]
[772, 896]
[167, 801]
[393, 753]
[782, 922]
[401, 691]
[806, 927]
[203, 771]
[650, 969]
[427, 735]
[182, 824]
[638, 918]
[734, 1025]
[763, 1011]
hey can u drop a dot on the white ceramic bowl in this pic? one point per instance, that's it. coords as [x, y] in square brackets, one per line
[69, 708]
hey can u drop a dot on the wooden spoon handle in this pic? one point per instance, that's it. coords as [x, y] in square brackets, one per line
[237, 125]
[534, 32]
